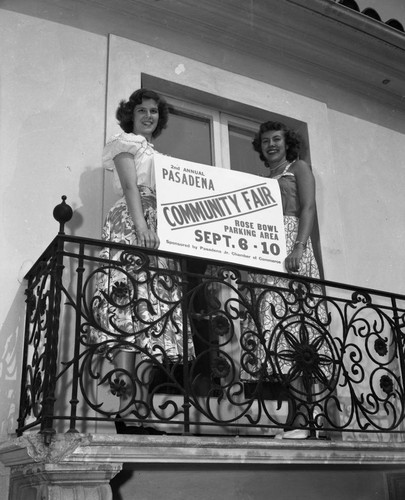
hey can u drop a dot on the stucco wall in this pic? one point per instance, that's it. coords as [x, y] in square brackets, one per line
[52, 93]
[369, 179]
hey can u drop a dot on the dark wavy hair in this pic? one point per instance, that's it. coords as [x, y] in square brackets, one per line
[293, 140]
[125, 110]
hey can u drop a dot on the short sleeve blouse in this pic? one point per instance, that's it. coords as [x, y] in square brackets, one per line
[142, 152]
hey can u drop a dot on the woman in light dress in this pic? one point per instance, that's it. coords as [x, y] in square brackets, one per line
[271, 351]
[138, 310]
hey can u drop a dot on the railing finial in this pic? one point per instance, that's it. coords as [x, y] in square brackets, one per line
[62, 213]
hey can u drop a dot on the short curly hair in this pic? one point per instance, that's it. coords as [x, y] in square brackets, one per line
[293, 140]
[125, 110]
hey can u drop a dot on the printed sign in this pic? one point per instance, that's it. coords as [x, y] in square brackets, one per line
[220, 214]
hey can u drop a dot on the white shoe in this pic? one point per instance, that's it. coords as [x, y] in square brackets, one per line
[294, 434]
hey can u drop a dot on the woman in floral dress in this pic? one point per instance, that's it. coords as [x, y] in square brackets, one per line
[137, 310]
[272, 350]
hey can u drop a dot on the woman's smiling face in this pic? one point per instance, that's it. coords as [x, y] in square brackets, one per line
[146, 117]
[273, 146]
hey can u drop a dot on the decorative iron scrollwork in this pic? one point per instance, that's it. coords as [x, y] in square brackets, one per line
[333, 353]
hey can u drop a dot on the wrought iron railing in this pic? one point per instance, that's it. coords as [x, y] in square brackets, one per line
[260, 355]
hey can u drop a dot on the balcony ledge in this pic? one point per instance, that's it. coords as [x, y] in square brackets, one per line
[102, 450]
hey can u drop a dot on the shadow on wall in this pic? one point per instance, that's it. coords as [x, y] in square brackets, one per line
[87, 218]
[119, 480]
[12, 330]
[46, 168]
[12, 334]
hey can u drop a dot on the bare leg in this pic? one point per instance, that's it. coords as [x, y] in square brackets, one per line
[137, 375]
[296, 419]
[125, 362]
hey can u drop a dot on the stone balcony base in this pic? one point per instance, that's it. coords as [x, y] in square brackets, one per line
[80, 466]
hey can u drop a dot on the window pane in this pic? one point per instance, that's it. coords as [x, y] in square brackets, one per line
[242, 155]
[187, 137]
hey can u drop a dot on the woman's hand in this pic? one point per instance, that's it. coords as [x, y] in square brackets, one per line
[292, 262]
[147, 238]
[125, 165]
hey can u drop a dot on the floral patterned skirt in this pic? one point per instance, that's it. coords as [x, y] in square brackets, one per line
[136, 307]
[283, 336]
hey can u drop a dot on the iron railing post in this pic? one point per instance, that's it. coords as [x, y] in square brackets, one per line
[186, 325]
[24, 405]
[62, 213]
[51, 344]
[74, 401]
